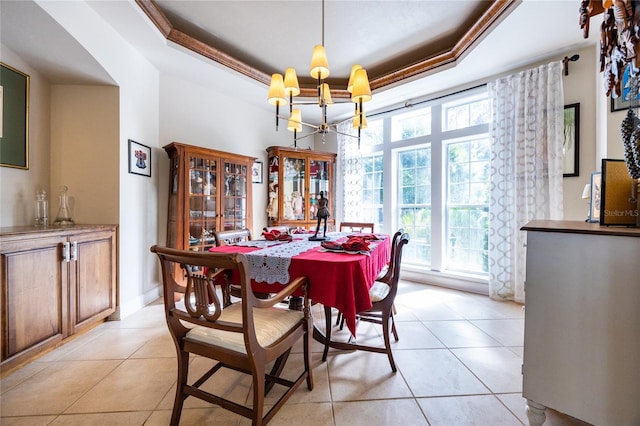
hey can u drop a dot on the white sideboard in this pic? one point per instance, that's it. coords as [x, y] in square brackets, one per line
[582, 322]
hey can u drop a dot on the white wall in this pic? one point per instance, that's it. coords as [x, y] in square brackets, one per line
[199, 116]
[138, 83]
[580, 86]
[19, 186]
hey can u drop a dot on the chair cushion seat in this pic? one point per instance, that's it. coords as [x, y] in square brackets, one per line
[270, 324]
[379, 291]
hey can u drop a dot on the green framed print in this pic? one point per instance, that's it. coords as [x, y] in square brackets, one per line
[14, 118]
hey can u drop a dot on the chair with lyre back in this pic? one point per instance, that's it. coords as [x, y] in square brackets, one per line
[356, 227]
[246, 336]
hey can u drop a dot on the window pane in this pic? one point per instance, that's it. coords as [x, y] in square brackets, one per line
[467, 205]
[414, 207]
[464, 113]
[372, 184]
[373, 134]
[411, 124]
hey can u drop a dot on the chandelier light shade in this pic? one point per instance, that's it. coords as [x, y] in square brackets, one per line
[326, 94]
[356, 120]
[319, 63]
[361, 90]
[354, 68]
[276, 91]
[282, 88]
[295, 121]
[291, 86]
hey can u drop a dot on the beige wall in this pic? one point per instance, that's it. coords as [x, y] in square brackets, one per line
[580, 86]
[84, 137]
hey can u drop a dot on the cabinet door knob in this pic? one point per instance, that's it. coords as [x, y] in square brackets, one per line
[74, 251]
[65, 252]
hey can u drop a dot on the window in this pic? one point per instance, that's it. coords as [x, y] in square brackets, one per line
[414, 202]
[372, 196]
[467, 205]
[427, 170]
[411, 124]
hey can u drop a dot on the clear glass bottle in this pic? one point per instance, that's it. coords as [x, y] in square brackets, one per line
[42, 209]
[64, 216]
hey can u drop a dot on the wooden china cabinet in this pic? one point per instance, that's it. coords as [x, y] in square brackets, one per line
[209, 191]
[296, 177]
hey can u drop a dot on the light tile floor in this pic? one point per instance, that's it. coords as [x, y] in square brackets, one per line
[459, 360]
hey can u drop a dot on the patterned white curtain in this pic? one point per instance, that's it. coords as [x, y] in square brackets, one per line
[527, 132]
[349, 167]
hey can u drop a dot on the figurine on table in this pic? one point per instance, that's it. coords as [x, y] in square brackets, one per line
[323, 213]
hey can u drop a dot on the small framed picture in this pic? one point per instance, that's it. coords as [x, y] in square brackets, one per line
[625, 99]
[139, 159]
[571, 143]
[594, 202]
[256, 172]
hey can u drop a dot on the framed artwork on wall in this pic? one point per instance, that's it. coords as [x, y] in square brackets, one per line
[256, 172]
[571, 143]
[594, 202]
[139, 159]
[623, 101]
[14, 118]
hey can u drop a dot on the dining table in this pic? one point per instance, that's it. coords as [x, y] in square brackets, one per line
[337, 278]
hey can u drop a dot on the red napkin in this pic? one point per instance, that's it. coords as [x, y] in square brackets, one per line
[331, 245]
[302, 231]
[368, 237]
[276, 235]
[356, 244]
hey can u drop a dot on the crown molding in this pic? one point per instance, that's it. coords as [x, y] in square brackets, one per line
[498, 10]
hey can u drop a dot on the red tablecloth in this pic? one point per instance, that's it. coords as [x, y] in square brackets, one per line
[339, 280]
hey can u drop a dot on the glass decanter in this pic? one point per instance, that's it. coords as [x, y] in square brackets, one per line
[64, 216]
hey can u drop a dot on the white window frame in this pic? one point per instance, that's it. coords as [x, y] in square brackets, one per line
[436, 272]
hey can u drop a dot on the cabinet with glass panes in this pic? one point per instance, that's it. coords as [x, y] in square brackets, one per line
[296, 177]
[209, 191]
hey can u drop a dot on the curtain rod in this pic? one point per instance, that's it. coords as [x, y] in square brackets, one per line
[565, 63]
[409, 104]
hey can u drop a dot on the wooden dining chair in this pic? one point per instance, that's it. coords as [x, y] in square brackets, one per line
[382, 296]
[384, 276]
[245, 336]
[356, 227]
[224, 238]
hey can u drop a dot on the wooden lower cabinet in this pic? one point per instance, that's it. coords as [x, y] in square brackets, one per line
[54, 282]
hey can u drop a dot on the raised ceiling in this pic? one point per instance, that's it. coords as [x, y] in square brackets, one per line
[268, 36]
[393, 40]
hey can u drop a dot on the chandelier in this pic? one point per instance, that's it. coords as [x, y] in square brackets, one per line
[284, 89]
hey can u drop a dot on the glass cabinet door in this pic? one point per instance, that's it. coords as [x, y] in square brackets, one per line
[293, 189]
[235, 196]
[274, 187]
[318, 181]
[202, 203]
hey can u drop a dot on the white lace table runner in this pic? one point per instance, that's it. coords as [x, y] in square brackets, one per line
[259, 243]
[271, 264]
